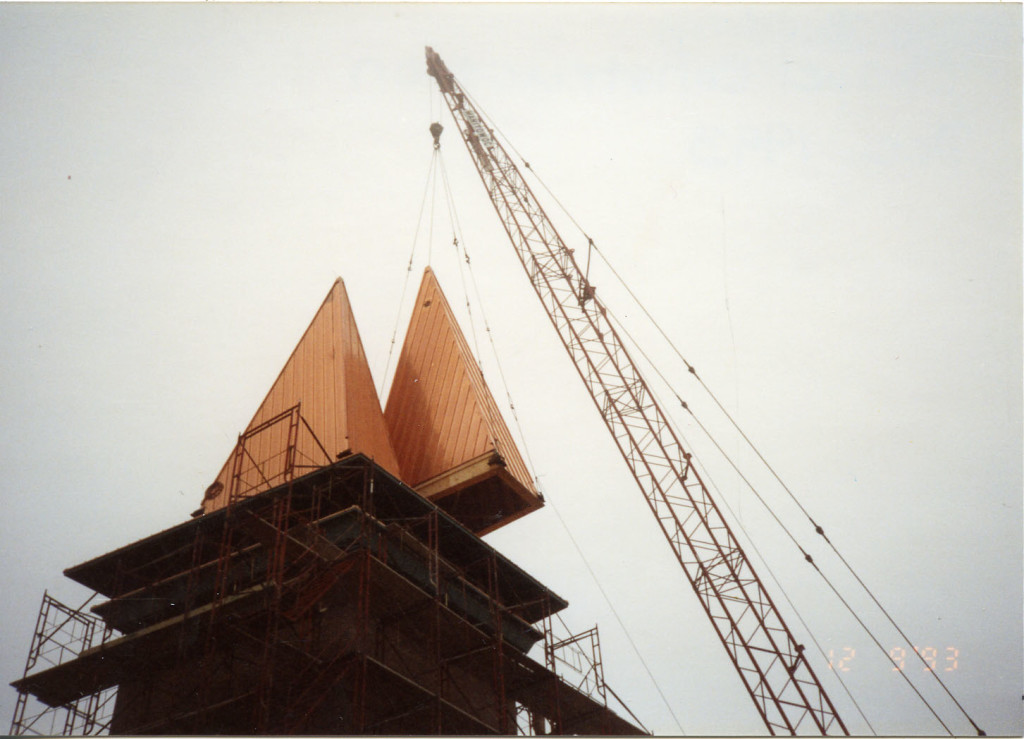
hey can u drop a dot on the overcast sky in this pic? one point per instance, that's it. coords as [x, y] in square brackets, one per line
[821, 205]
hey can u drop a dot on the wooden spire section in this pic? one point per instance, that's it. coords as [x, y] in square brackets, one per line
[322, 404]
[452, 444]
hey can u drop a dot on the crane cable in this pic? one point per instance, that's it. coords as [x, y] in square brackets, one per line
[591, 245]
[807, 557]
[818, 529]
[408, 269]
[705, 475]
[456, 226]
[456, 232]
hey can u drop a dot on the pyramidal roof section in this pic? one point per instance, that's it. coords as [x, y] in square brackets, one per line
[440, 413]
[328, 377]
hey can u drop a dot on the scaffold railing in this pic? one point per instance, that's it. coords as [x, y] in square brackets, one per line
[62, 634]
[576, 658]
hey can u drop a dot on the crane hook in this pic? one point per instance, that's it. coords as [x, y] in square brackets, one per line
[435, 131]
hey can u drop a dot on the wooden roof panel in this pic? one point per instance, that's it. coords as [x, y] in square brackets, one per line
[327, 373]
[440, 413]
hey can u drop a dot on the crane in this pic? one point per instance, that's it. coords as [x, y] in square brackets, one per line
[771, 663]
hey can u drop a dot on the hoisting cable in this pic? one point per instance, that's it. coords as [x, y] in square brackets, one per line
[592, 246]
[883, 650]
[817, 527]
[977, 728]
[796, 612]
[430, 228]
[456, 233]
[456, 227]
[408, 270]
[692, 370]
[586, 273]
[810, 560]
[807, 557]
[706, 476]
[525, 447]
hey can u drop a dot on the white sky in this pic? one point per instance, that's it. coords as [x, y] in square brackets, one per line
[821, 204]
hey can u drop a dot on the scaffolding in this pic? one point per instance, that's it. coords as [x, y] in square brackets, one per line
[62, 634]
[338, 601]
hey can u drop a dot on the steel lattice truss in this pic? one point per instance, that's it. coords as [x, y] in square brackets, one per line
[770, 662]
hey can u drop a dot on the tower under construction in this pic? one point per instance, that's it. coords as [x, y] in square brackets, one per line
[333, 580]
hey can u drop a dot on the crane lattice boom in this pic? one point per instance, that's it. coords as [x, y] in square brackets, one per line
[771, 664]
